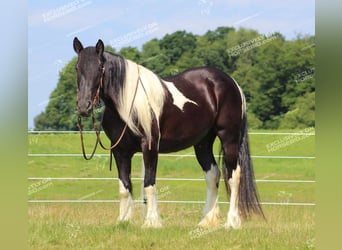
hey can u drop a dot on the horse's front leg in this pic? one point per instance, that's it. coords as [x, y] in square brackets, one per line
[123, 163]
[150, 155]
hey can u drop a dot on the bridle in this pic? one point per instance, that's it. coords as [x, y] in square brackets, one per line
[98, 138]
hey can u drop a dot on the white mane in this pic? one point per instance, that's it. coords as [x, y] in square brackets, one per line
[149, 98]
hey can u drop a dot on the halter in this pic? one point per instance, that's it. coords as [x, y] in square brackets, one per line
[98, 138]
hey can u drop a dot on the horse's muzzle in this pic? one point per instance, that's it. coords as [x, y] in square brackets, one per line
[84, 108]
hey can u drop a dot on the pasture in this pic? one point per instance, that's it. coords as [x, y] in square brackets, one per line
[81, 213]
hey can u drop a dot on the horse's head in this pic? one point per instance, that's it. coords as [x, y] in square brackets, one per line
[90, 71]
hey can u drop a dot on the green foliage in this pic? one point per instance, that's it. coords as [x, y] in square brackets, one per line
[303, 114]
[273, 75]
[131, 53]
[153, 57]
[60, 113]
[253, 121]
[174, 45]
[276, 75]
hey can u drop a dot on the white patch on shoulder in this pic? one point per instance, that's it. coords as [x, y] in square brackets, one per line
[179, 100]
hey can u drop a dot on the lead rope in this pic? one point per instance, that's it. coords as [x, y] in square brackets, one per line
[79, 125]
[79, 122]
[125, 128]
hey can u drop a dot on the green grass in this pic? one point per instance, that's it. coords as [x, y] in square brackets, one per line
[93, 225]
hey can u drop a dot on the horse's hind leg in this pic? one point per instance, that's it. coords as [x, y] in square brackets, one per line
[205, 157]
[231, 172]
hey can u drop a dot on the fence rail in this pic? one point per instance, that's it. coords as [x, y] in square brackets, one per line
[158, 179]
[168, 201]
[167, 179]
[93, 132]
[176, 155]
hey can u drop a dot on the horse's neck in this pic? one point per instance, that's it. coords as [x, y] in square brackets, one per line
[135, 91]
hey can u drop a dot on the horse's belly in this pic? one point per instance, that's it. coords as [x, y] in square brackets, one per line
[174, 145]
[188, 115]
[184, 131]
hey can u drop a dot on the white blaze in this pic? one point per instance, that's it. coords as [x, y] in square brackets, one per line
[179, 100]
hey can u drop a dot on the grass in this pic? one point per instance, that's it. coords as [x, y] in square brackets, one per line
[93, 225]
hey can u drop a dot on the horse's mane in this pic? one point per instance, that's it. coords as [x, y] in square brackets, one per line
[117, 71]
[136, 104]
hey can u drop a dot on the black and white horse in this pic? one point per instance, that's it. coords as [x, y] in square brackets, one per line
[166, 115]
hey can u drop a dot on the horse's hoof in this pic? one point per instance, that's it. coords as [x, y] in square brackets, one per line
[233, 221]
[152, 223]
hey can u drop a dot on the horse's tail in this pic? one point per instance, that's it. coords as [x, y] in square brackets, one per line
[248, 195]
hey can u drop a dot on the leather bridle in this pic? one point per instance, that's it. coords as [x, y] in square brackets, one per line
[98, 138]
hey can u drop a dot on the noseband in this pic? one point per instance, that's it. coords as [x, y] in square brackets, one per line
[98, 138]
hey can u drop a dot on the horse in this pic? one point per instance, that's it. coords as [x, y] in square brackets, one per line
[150, 114]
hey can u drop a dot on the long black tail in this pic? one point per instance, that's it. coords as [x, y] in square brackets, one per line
[248, 195]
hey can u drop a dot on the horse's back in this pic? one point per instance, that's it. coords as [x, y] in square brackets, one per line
[214, 81]
[208, 85]
[194, 100]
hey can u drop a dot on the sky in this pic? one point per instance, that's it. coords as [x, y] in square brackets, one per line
[52, 25]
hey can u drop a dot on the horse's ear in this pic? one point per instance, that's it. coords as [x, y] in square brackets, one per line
[78, 47]
[99, 47]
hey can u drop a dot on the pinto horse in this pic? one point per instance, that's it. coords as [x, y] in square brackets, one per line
[149, 114]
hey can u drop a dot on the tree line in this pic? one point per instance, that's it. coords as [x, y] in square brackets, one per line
[276, 75]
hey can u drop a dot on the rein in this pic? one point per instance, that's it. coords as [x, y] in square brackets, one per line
[79, 125]
[98, 138]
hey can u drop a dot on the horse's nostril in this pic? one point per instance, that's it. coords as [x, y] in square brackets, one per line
[89, 105]
[84, 107]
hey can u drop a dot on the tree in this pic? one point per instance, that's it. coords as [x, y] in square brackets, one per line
[243, 61]
[267, 103]
[174, 45]
[153, 58]
[211, 49]
[60, 113]
[299, 68]
[303, 113]
[266, 72]
[131, 53]
[276, 75]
